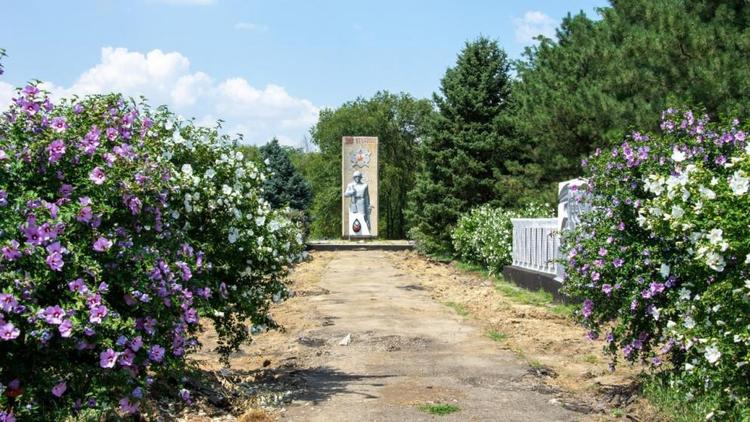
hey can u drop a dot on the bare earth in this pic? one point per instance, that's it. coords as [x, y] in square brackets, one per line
[407, 348]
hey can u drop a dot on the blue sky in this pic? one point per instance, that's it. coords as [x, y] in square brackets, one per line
[266, 67]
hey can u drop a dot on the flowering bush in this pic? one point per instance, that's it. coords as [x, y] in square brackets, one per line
[484, 236]
[106, 266]
[661, 261]
[219, 203]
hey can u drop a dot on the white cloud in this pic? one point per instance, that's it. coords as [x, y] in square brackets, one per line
[249, 26]
[7, 92]
[532, 24]
[167, 78]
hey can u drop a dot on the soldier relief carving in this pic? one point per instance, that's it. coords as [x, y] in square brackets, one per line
[359, 187]
[359, 205]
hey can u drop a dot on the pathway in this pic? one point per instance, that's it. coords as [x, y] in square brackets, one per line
[405, 350]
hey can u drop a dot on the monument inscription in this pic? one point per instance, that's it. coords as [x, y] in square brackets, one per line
[359, 177]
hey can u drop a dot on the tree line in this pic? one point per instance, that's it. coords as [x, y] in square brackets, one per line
[504, 132]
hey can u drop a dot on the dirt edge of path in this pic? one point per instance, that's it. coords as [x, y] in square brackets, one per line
[553, 345]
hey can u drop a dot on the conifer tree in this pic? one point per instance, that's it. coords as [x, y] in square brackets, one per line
[285, 186]
[465, 146]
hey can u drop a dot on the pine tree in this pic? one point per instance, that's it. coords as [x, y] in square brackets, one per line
[600, 78]
[285, 185]
[465, 147]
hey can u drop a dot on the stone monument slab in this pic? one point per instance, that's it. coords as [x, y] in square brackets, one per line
[359, 186]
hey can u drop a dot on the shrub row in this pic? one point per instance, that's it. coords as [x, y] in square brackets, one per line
[120, 228]
[484, 236]
[662, 259]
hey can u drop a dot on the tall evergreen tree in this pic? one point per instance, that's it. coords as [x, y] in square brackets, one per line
[600, 78]
[465, 145]
[285, 186]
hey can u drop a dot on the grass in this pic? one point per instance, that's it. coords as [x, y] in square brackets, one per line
[459, 308]
[518, 294]
[497, 336]
[535, 364]
[590, 358]
[674, 403]
[439, 408]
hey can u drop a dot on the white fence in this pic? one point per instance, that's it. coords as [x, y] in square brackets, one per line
[536, 244]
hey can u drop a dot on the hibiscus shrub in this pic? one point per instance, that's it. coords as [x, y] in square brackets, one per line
[106, 267]
[484, 236]
[220, 205]
[661, 261]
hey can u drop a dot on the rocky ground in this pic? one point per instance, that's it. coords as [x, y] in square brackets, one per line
[381, 336]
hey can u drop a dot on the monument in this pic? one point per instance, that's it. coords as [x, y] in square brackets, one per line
[359, 185]
[572, 201]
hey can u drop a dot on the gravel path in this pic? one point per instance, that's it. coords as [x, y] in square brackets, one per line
[375, 347]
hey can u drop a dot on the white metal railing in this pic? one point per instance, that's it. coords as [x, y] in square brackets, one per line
[536, 244]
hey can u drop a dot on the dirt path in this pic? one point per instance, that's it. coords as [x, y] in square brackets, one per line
[406, 350]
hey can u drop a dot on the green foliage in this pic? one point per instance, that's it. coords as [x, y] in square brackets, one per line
[459, 308]
[285, 185]
[439, 409]
[121, 227]
[601, 78]
[678, 404]
[397, 121]
[661, 260]
[484, 236]
[464, 147]
[497, 336]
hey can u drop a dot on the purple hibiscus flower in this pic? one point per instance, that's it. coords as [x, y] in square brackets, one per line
[111, 133]
[85, 215]
[127, 357]
[33, 236]
[156, 353]
[54, 315]
[97, 313]
[133, 203]
[3, 198]
[59, 124]
[588, 308]
[108, 358]
[3, 155]
[607, 289]
[11, 252]
[191, 316]
[56, 149]
[127, 407]
[59, 389]
[97, 175]
[55, 261]
[102, 244]
[30, 91]
[8, 331]
[185, 395]
[30, 107]
[78, 286]
[185, 270]
[656, 288]
[66, 328]
[8, 302]
[136, 343]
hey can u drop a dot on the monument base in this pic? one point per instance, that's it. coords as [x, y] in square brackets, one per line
[360, 245]
[533, 280]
